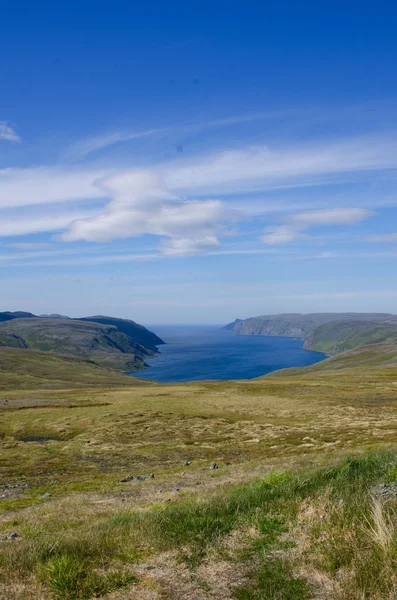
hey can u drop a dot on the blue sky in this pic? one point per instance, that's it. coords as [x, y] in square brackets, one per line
[197, 162]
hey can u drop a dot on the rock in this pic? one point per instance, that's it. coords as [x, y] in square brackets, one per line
[46, 495]
[183, 472]
[213, 466]
[387, 490]
[187, 463]
[136, 478]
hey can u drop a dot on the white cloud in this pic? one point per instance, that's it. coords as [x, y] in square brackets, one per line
[141, 204]
[261, 167]
[8, 133]
[45, 185]
[164, 200]
[10, 226]
[299, 222]
[241, 171]
[29, 245]
[281, 235]
[330, 216]
[191, 246]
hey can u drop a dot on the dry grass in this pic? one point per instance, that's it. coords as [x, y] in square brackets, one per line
[308, 536]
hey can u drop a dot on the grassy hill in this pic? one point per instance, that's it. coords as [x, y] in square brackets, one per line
[29, 369]
[340, 336]
[379, 359]
[137, 332]
[104, 344]
[302, 505]
[296, 325]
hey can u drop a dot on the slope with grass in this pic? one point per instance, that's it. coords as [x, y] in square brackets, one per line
[285, 516]
[296, 325]
[340, 336]
[104, 344]
[137, 332]
[29, 369]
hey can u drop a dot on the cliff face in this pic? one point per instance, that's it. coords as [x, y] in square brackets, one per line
[137, 332]
[296, 325]
[103, 344]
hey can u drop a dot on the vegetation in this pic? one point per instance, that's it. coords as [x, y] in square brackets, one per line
[137, 332]
[286, 516]
[340, 336]
[29, 369]
[104, 344]
[298, 325]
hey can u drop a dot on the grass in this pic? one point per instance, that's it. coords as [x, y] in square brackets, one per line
[340, 336]
[285, 517]
[72, 579]
[30, 369]
[296, 530]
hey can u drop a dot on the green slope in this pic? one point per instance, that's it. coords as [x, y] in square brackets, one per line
[340, 336]
[103, 344]
[28, 369]
[353, 365]
[137, 332]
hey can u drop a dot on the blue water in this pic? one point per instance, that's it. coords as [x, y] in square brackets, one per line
[208, 352]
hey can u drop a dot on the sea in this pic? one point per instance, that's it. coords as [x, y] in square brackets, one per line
[208, 352]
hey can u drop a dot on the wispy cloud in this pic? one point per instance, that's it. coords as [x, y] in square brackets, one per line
[8, 133]
[299, 222]
[264, 167]
[383, 238]
[85, 147]
[29, 245]
[185, 203]
[26, 224]
[47, 185]
[331, 216]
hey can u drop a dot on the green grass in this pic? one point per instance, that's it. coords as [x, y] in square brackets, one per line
[341, 336]
[286, 515]
[331, 508]
[106, 345]
[72, 579]
[30, 369]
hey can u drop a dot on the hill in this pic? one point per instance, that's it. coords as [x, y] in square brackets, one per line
[29, 369]
[282, 487]
[137, 332]
[104, 344]
[296, 325]
[351, 364]
[8, 316]
[340, 336]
